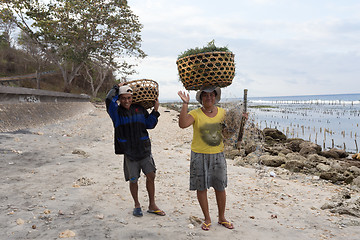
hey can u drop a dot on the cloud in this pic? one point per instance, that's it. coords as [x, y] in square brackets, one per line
[307, 47]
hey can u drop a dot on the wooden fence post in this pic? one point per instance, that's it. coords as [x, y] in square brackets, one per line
[243, 120]
[37, 79]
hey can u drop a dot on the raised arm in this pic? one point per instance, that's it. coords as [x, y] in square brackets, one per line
[185, 119]
[151, 119]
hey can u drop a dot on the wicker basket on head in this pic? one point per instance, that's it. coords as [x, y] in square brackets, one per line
[145, 92]
[210, 68]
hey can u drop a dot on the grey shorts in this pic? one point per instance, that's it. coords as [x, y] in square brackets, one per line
[132, 168]
[208, 170]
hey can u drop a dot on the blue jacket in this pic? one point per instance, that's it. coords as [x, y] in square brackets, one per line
[130, 127]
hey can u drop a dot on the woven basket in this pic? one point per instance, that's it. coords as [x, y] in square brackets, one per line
[211, 68]
[145, 92]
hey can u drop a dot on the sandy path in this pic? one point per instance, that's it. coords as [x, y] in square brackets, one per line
[41, 197]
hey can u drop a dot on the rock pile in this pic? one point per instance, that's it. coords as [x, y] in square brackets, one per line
[297, 155]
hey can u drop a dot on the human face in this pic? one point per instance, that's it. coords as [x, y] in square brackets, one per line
[125, 100]
[208, 99]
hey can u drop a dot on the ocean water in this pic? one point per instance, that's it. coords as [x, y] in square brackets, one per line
[328, 120]
[313, 99]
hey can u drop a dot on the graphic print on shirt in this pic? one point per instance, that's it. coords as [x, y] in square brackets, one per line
[211, 134]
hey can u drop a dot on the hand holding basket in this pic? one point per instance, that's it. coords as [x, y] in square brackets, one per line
[145, 92]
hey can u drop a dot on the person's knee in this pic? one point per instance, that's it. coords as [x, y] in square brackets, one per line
[133, 180]
[220, 191]
[201, 192]
[150, 176]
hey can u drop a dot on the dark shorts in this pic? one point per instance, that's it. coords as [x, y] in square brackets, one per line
[208, 170]
[132, 168]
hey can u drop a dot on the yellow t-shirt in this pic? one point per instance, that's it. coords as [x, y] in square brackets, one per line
[207, 137]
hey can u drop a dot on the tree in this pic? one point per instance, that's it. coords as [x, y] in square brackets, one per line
[95, 74]
[34, 55]
[73, 32]
[98, 69]
[6, 27]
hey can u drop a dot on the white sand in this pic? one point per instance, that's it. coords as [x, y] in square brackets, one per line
[41, 198]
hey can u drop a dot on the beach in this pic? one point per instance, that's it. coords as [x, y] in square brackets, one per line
[63, 180]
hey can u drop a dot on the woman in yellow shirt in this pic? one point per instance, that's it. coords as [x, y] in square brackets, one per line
[207, 164]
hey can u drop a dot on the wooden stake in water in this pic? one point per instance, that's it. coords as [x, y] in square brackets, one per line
[357, 150]
[243, 120]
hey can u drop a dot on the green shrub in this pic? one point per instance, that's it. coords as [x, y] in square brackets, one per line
[96, 100]
[209, 48]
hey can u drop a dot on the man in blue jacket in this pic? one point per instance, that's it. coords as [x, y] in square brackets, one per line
[131, 122]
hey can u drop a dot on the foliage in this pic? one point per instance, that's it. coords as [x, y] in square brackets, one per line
[96, 100]
[210, 47]
[4, 41]
[34, 53]
[73, 32]
[15, 62]
[6, 26]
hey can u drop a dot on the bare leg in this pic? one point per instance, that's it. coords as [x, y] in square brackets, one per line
[134, 193]
[203, 201]
[150, 187]
[221, 203]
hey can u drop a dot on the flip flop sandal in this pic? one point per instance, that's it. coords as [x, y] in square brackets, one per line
[157, 212]
[205, 226]
[228, 225]
[137, 212]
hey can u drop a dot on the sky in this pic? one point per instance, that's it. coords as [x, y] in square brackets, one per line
[281, 47]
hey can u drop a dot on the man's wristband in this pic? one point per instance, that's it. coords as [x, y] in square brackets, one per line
[185, 102]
